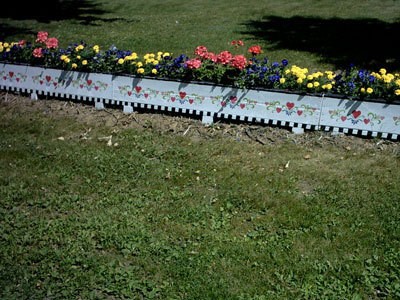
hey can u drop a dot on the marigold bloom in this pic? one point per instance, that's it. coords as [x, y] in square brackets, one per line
[362, 90]
[154, 71]
[5, 45]
[140, 71]
[397, 92]
[369, 90]
[120, 61]
[84, 62]
[282, 80]
[74, 66]
[96, 48]
[382, 71]
[316, 84]
[310, 85]
[67, 60]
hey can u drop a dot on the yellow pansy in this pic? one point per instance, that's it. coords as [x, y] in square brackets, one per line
[154, 71]
[282, 80]
[369, 90]
[316, 84]
[84, 62]
[140, 71]
[120, 61]
[310, 85]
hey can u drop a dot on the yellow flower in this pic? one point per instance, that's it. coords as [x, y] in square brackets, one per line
[287, 71]
[67, 60]
[329, 86]
[166, 54]
[1, 48]
[96, 48]
[369, 90]
[154, 71]
[63, 57]
[79, 47]
[397, 92]
[310, 77]
[330, 76]
[310, 85]
[299, 80]
[139, 64]
[282, 80]
[78, 57]
[362, 90]
[140, 71]
[134, 55]
[120, 61]
[5, 45]
[84, 62]
[382, 71]
[316, 84]
[74, 66]
[155, 62]
[397, 82]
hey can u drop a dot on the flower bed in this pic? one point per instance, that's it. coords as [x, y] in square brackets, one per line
[211, 85]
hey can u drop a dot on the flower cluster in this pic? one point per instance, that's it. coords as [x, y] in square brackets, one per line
[227, 67]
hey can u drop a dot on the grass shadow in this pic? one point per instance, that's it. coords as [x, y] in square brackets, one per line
[367, 43]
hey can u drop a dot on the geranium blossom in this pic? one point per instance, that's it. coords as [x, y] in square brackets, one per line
[224, 57]
[37, 52]
[52, 43]
[254, 50]
[194, 63]
[42, 37]
[239, 61]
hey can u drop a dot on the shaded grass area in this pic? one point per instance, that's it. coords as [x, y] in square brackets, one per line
[315, 34]
[162, 216]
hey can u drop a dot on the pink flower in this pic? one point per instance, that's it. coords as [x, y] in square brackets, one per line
[254, 50]
[211, 56]
[224, 57]
[52, 43]
[42, 37]
[239, 62]
[237, 43]
[201, 51]
[22, 43]
[194, 63]
[37, 52]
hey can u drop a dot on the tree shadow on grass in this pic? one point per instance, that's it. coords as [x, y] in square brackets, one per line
[85, 12]
[367, 43]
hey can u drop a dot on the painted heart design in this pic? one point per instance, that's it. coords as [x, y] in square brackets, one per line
[17, 79]
[89, 82]
[299, 112]
[191, 101]
[41, 81]
[48, 78]
[138, 89]
[129, 93]
[146, 95]
[96, 87]
[290, 105]
[278, 109]
[366, 121]
[343, 118]
[81, 86]
[182, 94]
[233, 99]
[242, 105]
[356, 114]
[223, 103]
[55, 83]
[173, 99]
[11, 74]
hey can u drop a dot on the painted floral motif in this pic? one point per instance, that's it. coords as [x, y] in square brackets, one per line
[356, 116]
[11, 76]
[181, 97]
[89, 84]
[396, 120]
[234, 102]
[290, 108]
[46, 80]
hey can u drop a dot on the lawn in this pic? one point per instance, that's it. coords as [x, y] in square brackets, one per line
[157, 213]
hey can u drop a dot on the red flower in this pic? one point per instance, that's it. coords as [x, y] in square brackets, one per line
[37, 52]
[254, 50]
[42, 37]
[52, 43]
[224, 57]
[239, 62]
[237, 43]
[194, 63]
[201, 51]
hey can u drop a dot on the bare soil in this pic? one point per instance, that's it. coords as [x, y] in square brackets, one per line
[189, 126]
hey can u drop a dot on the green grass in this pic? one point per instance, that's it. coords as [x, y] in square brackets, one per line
[163, 216]
[315, 34]
[167, 217]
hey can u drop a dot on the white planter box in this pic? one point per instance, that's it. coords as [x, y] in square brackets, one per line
[292, 110]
